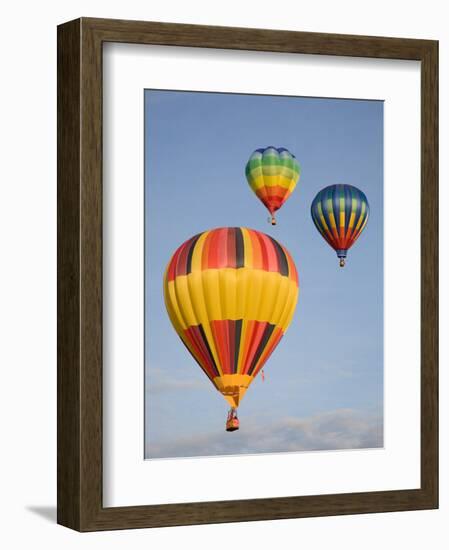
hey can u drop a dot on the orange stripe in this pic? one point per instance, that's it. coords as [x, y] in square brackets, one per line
[262, 194]
[206, 248]
[293, 274]
[255, 339]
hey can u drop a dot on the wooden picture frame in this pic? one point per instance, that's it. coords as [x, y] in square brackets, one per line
[80, 504]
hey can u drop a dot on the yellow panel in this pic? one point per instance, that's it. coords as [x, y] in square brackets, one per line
[270, 298]
[198, 251]
[171, 303]
[282, 294]
[210, 282]
[205, 286]
[254, 293]
[323, 221]
[351, 220]
[200, 306]
[271, 181]
[289, 309]
[233, 387]
[219, 294]
[286, 183]
[247, 245]
[228, 290]
[359, 223]
[257, 182]
[184, 302]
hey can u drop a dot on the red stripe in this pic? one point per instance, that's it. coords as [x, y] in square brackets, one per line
[218, 249]
[263, 250]
[221, 339]
[271, 263]
[337, 244]
[274, 201]
[206, 250]
[222, 247]
[254, 338]
[273, 197]
[231, 248]
[334, 233]
[351, 234]
[171, 272]
[212, 259]
[330, 239]
[355, 236]
[181, 264]
[194, 336]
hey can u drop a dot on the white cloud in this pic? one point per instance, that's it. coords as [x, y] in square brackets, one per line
[339, 429]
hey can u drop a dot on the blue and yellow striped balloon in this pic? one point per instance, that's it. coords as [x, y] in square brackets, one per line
[340, 213]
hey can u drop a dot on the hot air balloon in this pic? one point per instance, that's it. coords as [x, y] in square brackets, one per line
[272, 174]
[230, 294]
[340, 213]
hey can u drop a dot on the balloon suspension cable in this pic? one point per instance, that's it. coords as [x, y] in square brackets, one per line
[342, 262]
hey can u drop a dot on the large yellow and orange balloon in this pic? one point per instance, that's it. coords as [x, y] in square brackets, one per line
[272, 174]
[230, 294]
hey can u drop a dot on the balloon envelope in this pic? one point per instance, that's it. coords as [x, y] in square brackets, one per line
[340, 213]
[230, 294]
[272, 174]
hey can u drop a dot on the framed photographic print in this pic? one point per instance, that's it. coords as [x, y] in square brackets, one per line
[247, 274]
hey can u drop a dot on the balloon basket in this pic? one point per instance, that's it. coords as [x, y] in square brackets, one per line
[272, 220]
[232, 423]
[341, 254]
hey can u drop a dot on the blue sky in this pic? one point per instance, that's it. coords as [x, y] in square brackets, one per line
[323, 385]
